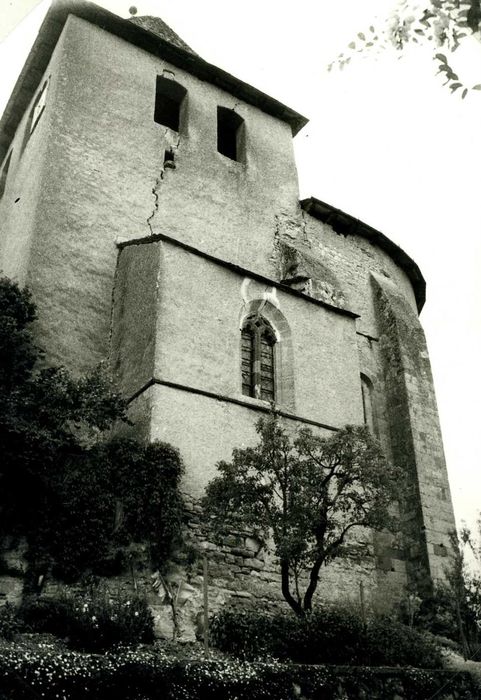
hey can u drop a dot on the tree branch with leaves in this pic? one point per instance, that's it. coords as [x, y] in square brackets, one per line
[446, 24]
[308, 494]
[79, 497]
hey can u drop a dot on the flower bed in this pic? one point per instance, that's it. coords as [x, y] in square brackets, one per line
[30, 671]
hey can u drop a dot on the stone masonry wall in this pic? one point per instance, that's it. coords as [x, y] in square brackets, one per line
[242, 571]
[415, 433]
[393, 355]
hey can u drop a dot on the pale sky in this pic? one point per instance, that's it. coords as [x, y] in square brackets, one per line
[385, 143]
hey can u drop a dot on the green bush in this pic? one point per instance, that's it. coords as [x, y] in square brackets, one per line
[46, 615]
[331, 635]
[244, 634]
[390, 643]
[10, 623]
[435, 613]
[92, 623]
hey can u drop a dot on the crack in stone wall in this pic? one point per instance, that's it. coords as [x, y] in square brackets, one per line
[173, 147]
[155, 192]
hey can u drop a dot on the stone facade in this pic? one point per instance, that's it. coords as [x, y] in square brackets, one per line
[146, 245]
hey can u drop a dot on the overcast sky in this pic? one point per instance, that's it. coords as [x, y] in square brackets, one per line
[385, 143]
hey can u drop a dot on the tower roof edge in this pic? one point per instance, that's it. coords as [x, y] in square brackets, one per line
[157, 26]
[140, 36]
[348, 225]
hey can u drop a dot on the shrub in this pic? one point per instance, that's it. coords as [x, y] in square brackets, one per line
[46, 615]
[390, 643]
[92, 623]
[435, 613]
[119, 494]
[331, 635]
[99, 624]
[10, 623]
[245, 634]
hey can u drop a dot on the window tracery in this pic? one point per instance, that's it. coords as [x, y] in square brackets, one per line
[257, 358]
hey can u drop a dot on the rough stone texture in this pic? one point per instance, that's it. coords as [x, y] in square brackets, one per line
[13, 566]
[134, 318]
[242, 571]
[11, 588]
[415, 433]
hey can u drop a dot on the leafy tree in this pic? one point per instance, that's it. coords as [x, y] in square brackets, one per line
[119, 494]
[79, 499]
[308, 494]
[444, 23]
[464, 584]
[453, 608]
[47, 417]
[18, 354]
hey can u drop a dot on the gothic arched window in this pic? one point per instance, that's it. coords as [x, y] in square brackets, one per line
[257, 351]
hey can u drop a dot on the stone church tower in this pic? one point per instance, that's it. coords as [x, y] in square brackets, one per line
[150, 202]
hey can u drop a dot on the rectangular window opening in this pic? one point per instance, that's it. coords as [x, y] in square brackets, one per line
[169, 97]
[230, 128]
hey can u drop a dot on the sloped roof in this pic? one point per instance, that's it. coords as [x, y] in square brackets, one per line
[157, 26]
[347, 225]
[166, 44]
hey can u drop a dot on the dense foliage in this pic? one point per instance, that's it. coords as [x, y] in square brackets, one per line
[79, 499]
[119, 492]
[95, 622]
[308, 493]
[454, 607]
[27, 673]
[331, 635]
[10, 622]
[464, 583]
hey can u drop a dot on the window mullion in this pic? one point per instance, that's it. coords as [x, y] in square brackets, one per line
[257, 363]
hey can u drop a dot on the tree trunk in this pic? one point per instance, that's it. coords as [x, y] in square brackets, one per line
[286, 590]
[313, 580]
